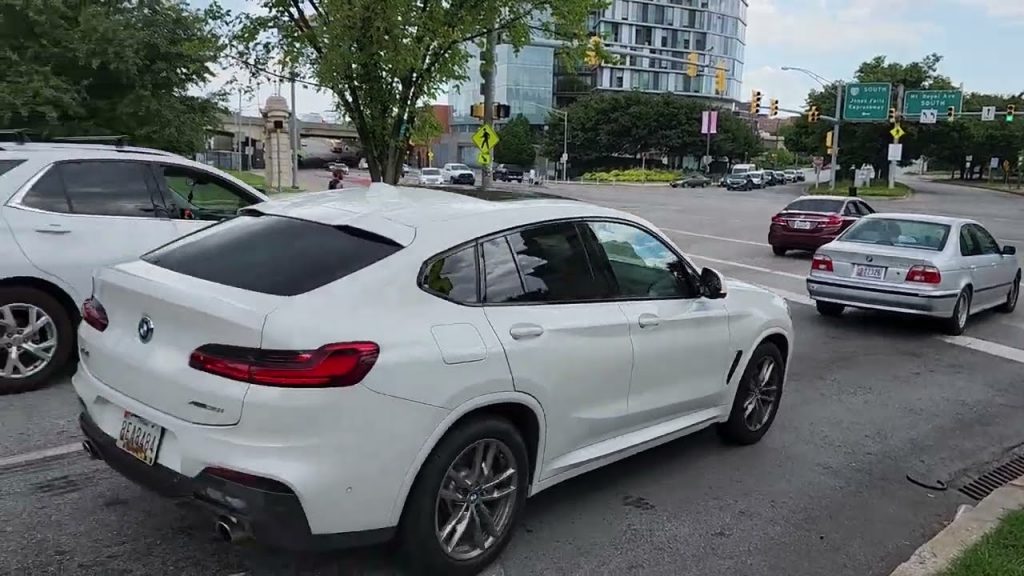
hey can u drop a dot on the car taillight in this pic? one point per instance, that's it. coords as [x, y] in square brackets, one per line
[94, 314]
[333, 365]
[834, 220]
[924, 274]
[778, 219]
[821, 263]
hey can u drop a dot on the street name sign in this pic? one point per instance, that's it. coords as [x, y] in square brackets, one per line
[867, 102]
[988, 113]
[917, 100]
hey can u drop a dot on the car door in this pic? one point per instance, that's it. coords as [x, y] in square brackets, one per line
[197, 198]
[681, 350]
[566, 344]
[82, 215]
[974, 264]
[996, 269]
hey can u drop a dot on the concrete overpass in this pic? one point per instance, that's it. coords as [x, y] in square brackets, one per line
[253, 128]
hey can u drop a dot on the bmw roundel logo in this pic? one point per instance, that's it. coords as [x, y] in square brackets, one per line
[145, 329]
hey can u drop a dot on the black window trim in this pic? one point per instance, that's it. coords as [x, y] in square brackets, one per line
[576, 221]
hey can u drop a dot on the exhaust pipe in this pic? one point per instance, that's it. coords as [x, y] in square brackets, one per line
[91, 450]
[230, 530]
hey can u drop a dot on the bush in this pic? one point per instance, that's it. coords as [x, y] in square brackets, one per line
[632, 175]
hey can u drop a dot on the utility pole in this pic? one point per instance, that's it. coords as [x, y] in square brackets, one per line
[487, 59]
[835, 135]
[295, 138]
[238, 130]
[899, 116]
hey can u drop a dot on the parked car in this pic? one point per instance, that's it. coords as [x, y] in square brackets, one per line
[792, 175]
[509, 173]
[332, 401]
[758, 178]
[338, 167]
[812, 221]
[431, 177]
[66, 209]
[946, 268]
[800, 175]
[781, 178]
[458, 174]
[739, 182]
[691, 181]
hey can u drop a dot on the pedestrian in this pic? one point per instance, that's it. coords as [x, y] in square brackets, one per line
[336, 180]
[533, 176]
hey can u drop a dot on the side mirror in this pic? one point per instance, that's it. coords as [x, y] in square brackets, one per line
[1009, 250]
[712, 284]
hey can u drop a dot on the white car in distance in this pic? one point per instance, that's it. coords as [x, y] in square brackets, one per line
[430, 177]
[458, 174]
[418, 364]
[67, 209]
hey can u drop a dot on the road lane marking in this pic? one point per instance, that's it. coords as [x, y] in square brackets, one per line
[40, 454]
[712, 237]
[800, 277]
[1015, 354]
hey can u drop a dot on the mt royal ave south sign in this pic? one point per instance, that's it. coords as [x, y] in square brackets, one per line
[867, 102]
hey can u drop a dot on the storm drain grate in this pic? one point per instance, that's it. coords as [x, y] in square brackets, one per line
[996, 478]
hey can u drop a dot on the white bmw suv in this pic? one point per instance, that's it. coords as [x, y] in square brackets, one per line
[67, 209]
[337, 369]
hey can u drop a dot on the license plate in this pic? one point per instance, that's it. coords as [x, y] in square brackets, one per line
[869, 272]
[802, 225]
[139, 437]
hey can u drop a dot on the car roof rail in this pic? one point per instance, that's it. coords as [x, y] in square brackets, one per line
[118, 140]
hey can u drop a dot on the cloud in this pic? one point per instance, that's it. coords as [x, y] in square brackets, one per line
[1008, 9]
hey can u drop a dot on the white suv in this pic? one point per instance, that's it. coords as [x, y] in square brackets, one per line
[414, 362]
[66, 209]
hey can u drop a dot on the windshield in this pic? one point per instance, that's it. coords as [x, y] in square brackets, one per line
[458, 167]
[740, 169]
[825, 205]
[430, 172]
[902, 233]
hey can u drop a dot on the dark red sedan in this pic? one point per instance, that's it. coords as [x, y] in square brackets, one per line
[812, 221]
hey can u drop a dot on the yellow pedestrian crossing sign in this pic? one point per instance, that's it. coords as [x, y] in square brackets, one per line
[484, 157]
[485, 139]
[897, 133]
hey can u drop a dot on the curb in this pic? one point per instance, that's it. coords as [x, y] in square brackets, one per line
[969, 526]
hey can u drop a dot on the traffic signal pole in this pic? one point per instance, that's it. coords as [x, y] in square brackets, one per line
[835, 136]
[487, 87]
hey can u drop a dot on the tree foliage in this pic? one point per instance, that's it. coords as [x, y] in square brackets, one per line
[70, 68]
[383, 58]
[426, 127]
[604, 126]
[515, 143]
[861, 143]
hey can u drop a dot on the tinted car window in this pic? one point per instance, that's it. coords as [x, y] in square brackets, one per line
[986, 242]
[273, 254]
[199, 195]
[643, 266]
[453, 276]
[8, 165]
[851, 209]
[501, 276]
[864, 209]
[968, 244]
[815, 205]
[109, 189]
[554, 265]
[48, 193]
[902, 233]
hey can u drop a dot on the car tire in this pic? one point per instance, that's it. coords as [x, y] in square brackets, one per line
[956, 324]
[419, 541]
[1011, 299]
[830, 309]
[19, 301]
[745, 426]
[779, 250]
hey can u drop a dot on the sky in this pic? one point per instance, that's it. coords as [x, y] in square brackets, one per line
[982, 42]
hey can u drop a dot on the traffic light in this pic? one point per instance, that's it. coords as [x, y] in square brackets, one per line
[593, 55]
[502, 111]
[773, 107]
[720, 85]
[828, 140]
[693, 60]
[477, 110]
[892, 115]
[1010, 109]
[951, 113]
[755, 102]
[813, 114]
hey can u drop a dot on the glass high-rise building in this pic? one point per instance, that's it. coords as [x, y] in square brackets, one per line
[715, 30]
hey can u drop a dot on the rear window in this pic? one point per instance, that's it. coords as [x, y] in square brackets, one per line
[430, 172]
[8, 165]
[273, 254]
[815, 205]
[902, 233]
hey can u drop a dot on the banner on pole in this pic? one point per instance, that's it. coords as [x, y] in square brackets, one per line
[709, 122]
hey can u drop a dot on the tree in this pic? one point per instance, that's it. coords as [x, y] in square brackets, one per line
[426, 128]
[384, 58]
[112, 67]
[515, 143]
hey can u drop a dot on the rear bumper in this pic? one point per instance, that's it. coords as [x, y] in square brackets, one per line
[275, 519]
[778, 236]
[937, 304]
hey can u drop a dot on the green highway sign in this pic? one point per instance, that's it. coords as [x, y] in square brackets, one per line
[867, 102]
[916, 100]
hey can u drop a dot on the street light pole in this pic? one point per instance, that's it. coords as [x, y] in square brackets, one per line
[825, 83]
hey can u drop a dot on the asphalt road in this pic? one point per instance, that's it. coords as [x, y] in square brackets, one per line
[870, 399]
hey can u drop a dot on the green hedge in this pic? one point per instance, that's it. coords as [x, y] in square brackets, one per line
[632, 175]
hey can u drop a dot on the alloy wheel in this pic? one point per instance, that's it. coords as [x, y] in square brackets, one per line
[962, 308]
[476, 500]
[762, 395]
[28, 340]
[1011, 300]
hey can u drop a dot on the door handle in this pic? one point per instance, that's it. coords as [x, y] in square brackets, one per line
[521, 331]
[648, 321]
[973, 267]
[57, 231]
